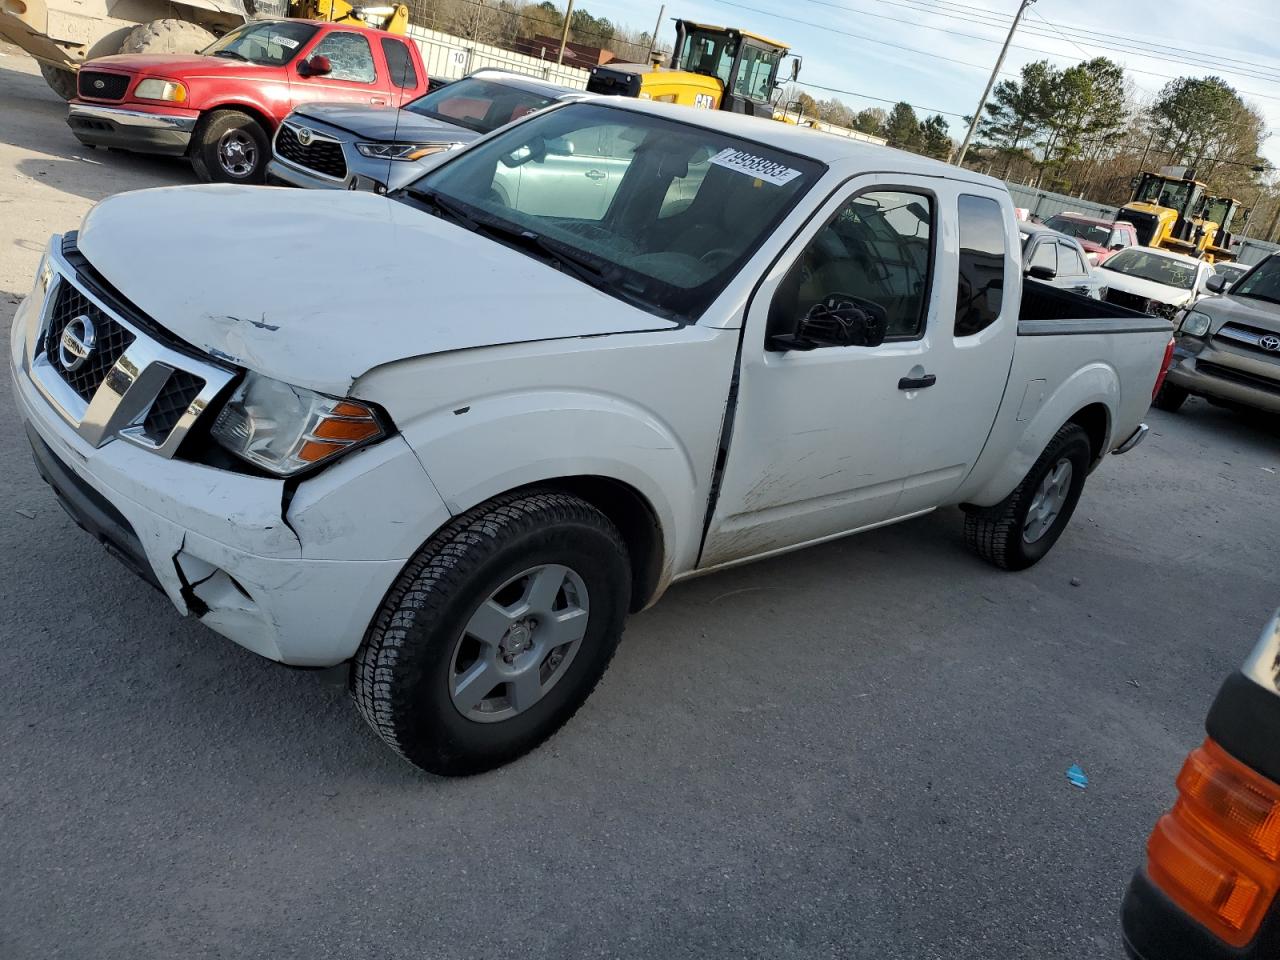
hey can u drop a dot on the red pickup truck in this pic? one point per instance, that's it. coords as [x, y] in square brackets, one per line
[220, 107]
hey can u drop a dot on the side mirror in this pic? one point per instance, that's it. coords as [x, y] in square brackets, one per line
[795, 69]
[1216, 284]
[837, 321]
[317, 66]
[1118, 245]
[1041, 272]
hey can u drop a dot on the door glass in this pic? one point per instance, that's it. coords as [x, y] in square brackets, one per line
[980, 293]
[399, 64]
[349, 55]
[755, 72]
[1045, 255]
[1069, 262]
[877, 249]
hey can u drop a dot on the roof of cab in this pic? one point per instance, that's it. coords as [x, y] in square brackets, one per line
[746, 33]
[804, 141]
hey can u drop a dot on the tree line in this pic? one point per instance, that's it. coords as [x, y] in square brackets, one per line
[900, 126]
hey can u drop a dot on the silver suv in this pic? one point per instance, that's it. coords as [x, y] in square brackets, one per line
[354, 147]
[1228, 347]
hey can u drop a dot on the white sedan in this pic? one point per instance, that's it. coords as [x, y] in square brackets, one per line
[1154, 281]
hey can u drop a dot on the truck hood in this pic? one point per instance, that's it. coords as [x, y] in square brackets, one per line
[1114, 280]
[175, 66]
[317, 287]
[381, 123]
[1242, 310]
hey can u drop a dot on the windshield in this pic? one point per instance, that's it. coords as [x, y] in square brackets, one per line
[1081, 229]
[270, 42]
[709, 52]
[1165, 193]
[1231, 271]
[665, 212]
[478, 104]
[1262, 283]
[1151, 266]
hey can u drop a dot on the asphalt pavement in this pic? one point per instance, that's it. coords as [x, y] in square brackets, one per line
[855, 751]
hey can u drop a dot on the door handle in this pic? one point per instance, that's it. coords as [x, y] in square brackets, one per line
[917, 383]
[594, 175]
[378, 101]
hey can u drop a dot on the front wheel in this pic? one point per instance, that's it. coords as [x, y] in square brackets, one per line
[1019, 530]
[230, 147]
[1170, 398]
[495, 633]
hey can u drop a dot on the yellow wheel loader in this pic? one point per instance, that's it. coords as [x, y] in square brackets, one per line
[714, 68]
[1168, 210]
[1220, 213]
[62, 34]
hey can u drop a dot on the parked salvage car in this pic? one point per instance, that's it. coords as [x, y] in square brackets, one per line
[1208, 889]
[454, 463]
[1230, 272]
[1099, 236]
[353, 147]
[1056, 258]
[219, 107]
[1154, 281]
[1228, 346]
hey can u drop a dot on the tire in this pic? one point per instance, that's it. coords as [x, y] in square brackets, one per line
[407, 677]
[60, 81]
[1170, 398]
[230, 147]
[1008, 534]
[167, 36]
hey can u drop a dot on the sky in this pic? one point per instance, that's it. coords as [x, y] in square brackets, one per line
[860, 45]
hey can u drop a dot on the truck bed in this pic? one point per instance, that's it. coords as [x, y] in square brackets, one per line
[1047, 310]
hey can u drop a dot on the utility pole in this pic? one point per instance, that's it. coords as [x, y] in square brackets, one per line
[991, 81]
[564, 34]
[653, 42]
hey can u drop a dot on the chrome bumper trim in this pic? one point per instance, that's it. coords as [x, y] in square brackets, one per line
[133, 118]
[1134, 439]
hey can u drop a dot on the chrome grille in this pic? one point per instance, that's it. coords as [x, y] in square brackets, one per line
[322, 154]
[1249, 337]
[110, 341]
[97, 85]
[132, 384]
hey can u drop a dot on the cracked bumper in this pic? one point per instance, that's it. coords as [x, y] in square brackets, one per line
[301, 592]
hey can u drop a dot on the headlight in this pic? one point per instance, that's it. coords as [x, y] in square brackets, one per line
[1196, 323]
[402, 151]
[287, 429]
[161, 90]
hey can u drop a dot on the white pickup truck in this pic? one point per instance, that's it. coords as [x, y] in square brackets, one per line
[451, 443]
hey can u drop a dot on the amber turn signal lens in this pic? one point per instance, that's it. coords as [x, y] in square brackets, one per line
[1204, 882]
[313, 450]
[1231, 796]
[348, 431]
[345, 424]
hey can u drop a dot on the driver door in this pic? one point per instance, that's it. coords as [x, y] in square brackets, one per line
[818, 446]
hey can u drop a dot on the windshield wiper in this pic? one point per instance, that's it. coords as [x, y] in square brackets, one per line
[232, 54]
[444, 207]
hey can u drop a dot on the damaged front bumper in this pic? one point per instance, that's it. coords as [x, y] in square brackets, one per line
[300, 590]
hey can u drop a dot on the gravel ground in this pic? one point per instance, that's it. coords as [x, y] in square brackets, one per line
[856, 751]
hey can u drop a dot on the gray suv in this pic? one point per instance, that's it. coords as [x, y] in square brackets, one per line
[344, 147]
[1227, 348]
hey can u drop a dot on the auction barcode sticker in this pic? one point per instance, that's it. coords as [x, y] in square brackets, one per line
[759, 167]
[289, 42]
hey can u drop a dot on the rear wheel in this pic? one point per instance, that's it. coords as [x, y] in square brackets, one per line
[167, 36]
[60, 80]
[230, 147]
[1019, 530]
[495, 633]
[1170, 398]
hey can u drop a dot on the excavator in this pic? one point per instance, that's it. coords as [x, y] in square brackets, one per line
[62, 34]
[714, 68]
[1173, 210]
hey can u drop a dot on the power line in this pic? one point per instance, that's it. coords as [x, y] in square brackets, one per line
[867, 96]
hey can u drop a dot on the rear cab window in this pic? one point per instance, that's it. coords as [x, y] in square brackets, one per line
[399, 64]
[980, 290]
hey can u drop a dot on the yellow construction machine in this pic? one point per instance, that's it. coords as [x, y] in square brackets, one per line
[1220, 213]
[714, 68]
[1167, 211]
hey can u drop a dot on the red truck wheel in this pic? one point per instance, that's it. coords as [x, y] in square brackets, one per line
[230, 147]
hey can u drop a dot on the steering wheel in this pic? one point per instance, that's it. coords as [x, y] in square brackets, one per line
[716, 252]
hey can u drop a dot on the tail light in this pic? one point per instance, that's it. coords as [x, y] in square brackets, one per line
[1164, 368]
[1217, 854]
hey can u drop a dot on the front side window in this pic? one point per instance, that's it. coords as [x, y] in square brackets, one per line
[600, 218]
[1144, 265]
[1070, 263]
[980, 293]
[755, 73]
[1120, 238]
[1080, 229]
[477, 104]
[349, 56]
[709, 52]
[399, 64]
[878, 250]
[1045, 254]
[1262, 282]
[269, 43]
